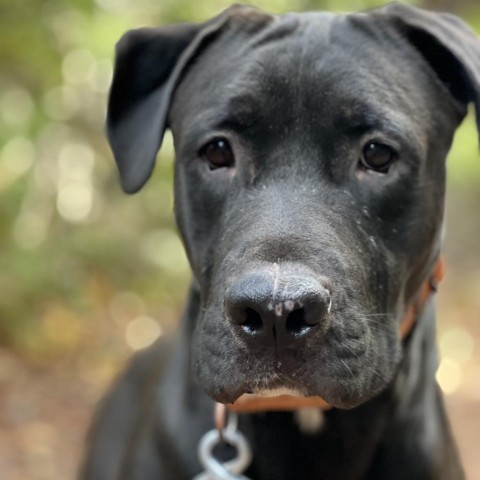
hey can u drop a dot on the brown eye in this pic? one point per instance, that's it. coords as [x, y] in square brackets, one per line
[218, 154]
[377, 156]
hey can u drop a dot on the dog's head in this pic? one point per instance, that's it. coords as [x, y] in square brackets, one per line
[310, 178]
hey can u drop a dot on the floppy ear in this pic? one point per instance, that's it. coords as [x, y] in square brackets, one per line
[447, 44]
[149, 63]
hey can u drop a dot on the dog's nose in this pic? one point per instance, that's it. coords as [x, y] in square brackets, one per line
[277, 308]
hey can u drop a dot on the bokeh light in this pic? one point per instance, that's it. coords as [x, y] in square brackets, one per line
[141, 332]
[449, 376]
[457, 344]
[16, 159]
[16, 106]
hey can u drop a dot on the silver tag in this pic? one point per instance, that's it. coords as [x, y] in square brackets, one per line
[233, 469]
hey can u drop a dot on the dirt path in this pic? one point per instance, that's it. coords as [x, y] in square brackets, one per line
[45, 413]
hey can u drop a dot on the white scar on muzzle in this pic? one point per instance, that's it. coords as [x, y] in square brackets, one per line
[289, 305]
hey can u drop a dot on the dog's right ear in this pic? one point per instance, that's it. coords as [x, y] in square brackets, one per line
[149, 63]
[447, 44]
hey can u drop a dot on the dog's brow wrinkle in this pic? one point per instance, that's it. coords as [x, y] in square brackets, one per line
[282, 27]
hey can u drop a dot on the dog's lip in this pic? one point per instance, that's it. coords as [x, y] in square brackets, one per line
[280, 399]
[276, 392]
[245, 393]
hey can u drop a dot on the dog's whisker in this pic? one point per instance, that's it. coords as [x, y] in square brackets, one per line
[345, 364]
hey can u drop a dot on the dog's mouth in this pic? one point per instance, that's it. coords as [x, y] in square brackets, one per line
[324, 350]
[343, 368]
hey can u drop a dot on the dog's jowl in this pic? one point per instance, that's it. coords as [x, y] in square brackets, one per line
[309, 193]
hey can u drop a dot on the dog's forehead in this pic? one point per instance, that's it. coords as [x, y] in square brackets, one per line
[300, 61]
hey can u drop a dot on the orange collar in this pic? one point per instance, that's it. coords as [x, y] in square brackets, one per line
[254, 403]
[428, 287]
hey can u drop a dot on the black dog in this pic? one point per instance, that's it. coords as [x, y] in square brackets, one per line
[310, 178]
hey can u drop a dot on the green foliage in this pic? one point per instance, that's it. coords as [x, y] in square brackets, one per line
[463, 161]
[70, 240]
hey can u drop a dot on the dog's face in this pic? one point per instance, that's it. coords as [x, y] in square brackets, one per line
[309, 195]
[304, 161]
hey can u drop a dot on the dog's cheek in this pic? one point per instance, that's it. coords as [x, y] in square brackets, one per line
[198, 212]
[384, 359]
[372, 379]
[361, 355]
[216, 357]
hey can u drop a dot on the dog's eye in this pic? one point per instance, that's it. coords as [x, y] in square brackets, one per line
[218, 154]
[377, 156]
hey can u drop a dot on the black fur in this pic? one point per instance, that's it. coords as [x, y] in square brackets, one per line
[298, 97]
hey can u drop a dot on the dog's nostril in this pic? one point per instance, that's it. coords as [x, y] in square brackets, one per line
[252, 323]
[258, 308]
[296, 322]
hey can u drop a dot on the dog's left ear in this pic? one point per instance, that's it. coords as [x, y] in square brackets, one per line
[447, 44]
[149, 64]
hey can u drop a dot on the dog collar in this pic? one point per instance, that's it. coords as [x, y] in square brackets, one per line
[255, 404]
[428, 287]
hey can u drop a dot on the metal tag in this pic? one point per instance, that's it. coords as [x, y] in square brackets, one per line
[233, 469]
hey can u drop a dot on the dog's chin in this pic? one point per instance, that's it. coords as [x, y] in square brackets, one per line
[329, 395]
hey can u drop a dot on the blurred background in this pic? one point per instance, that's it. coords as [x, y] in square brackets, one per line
[88, 275]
